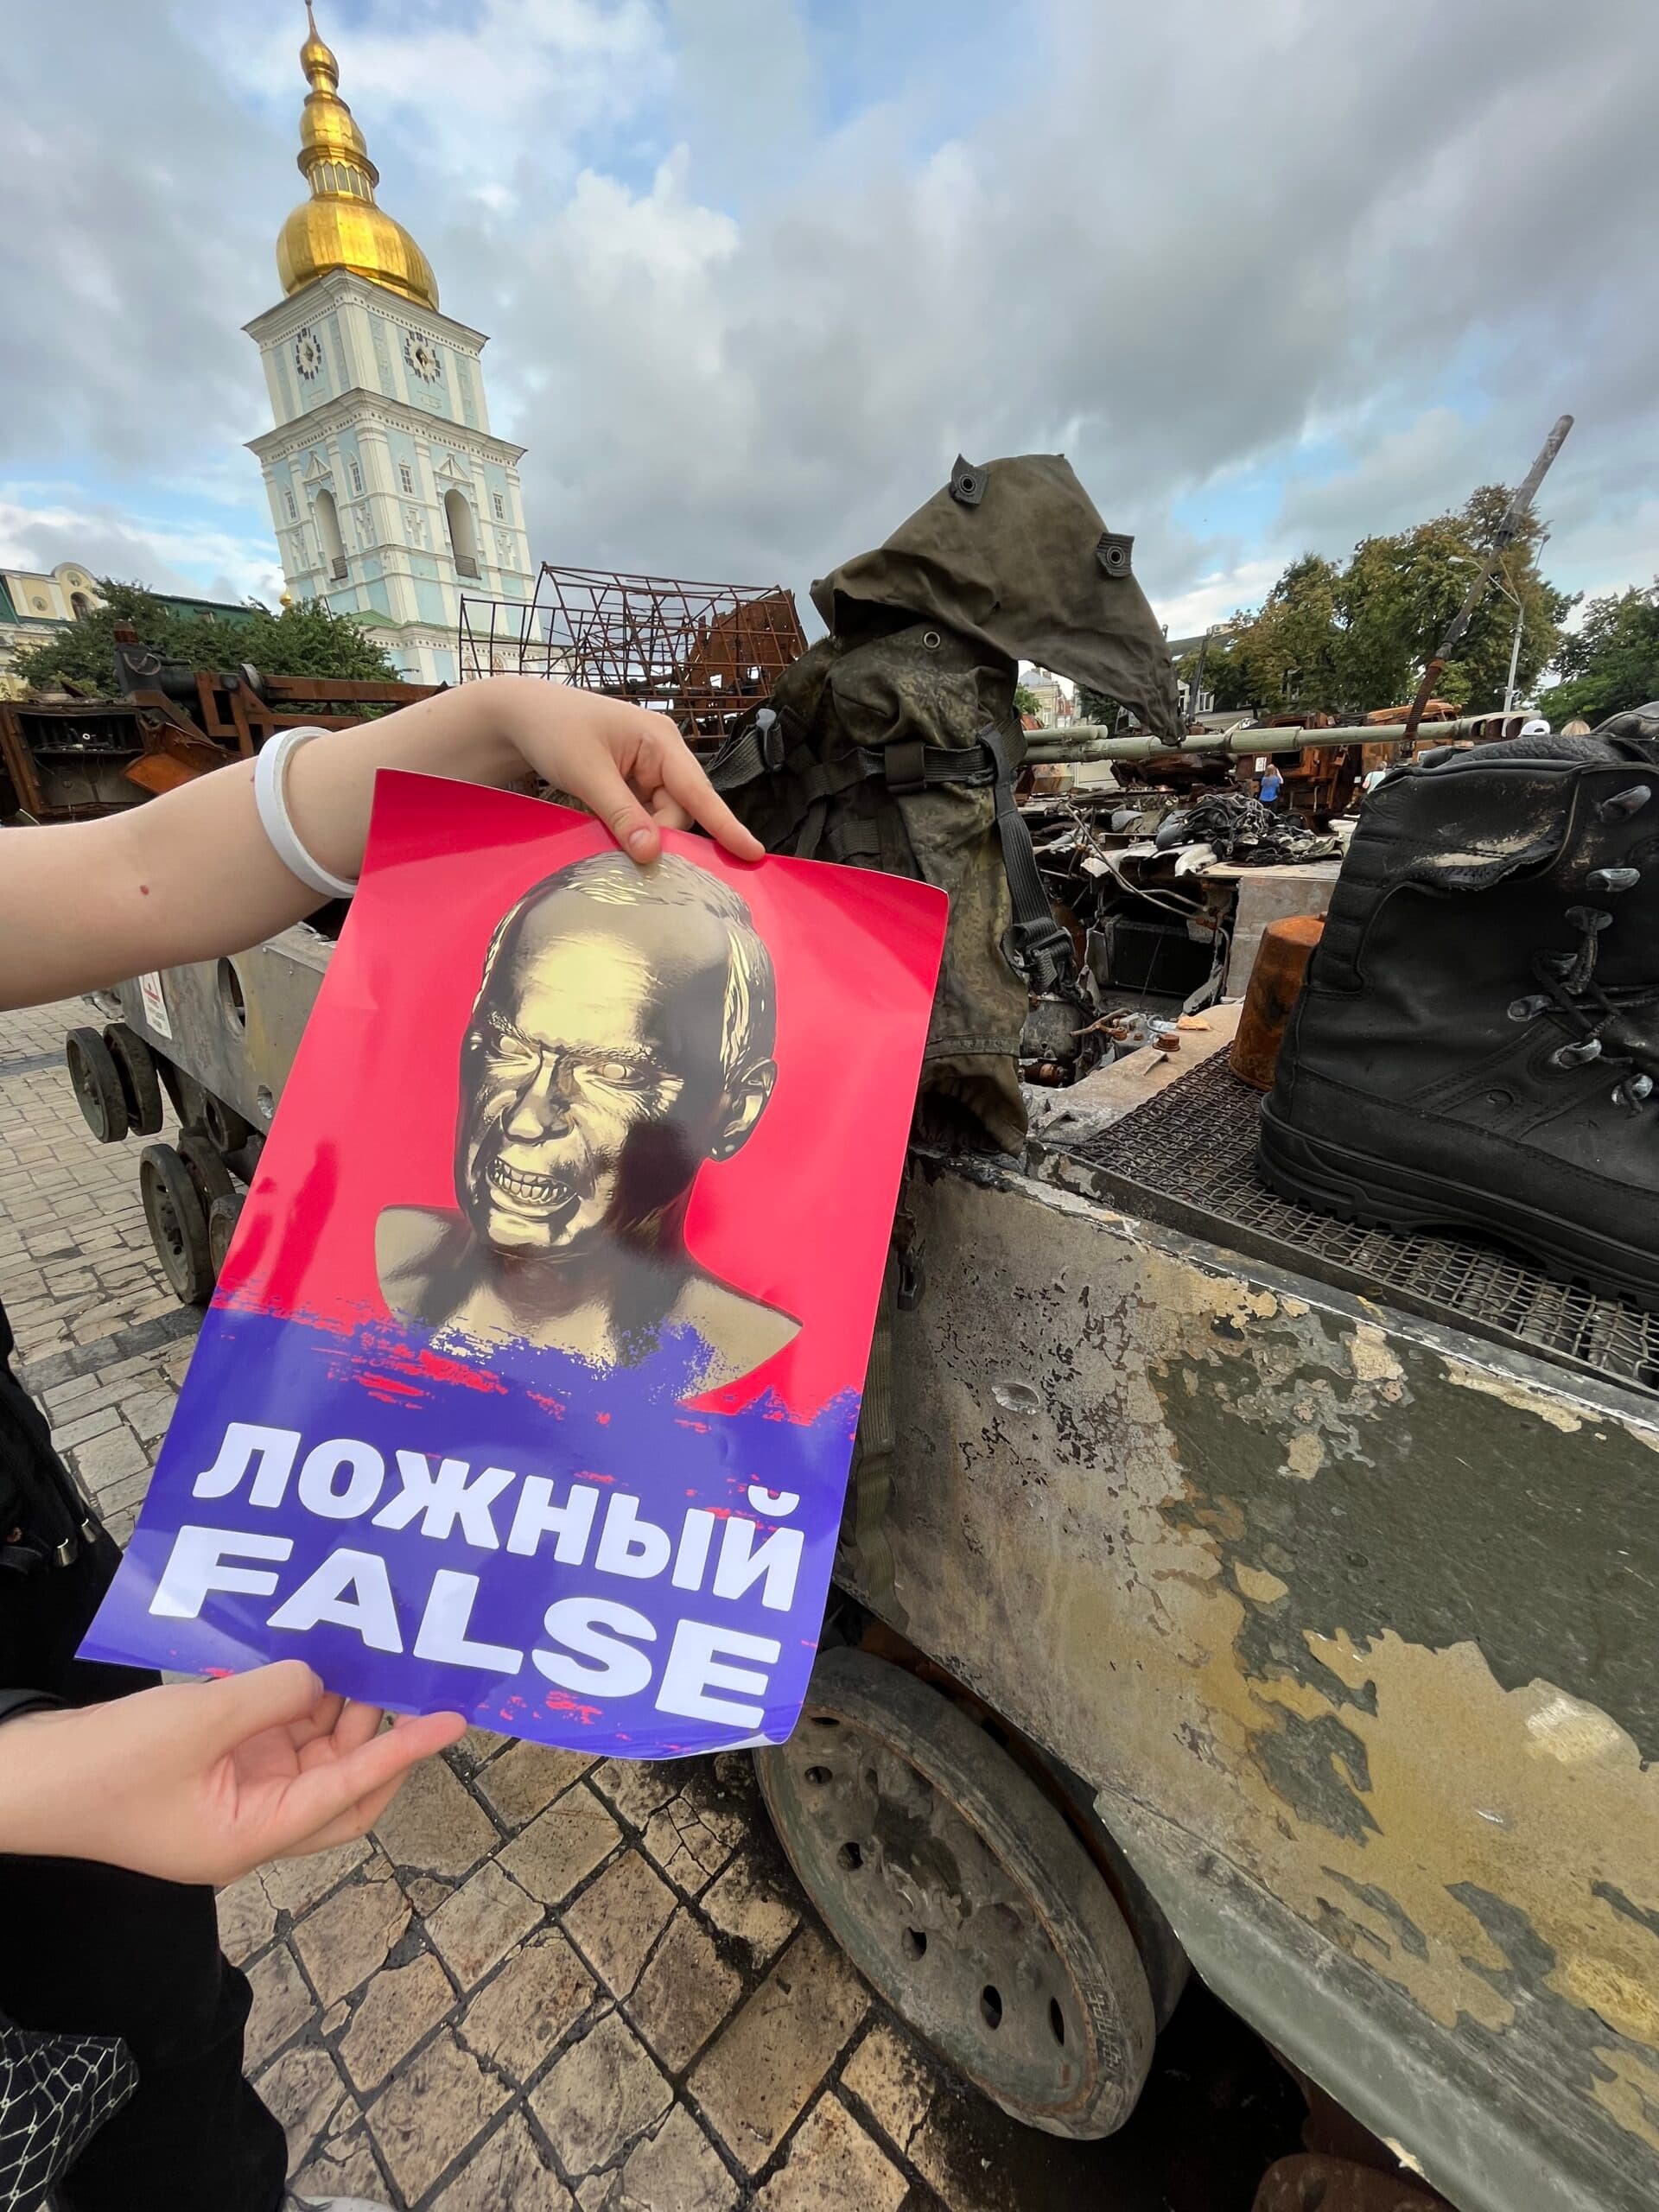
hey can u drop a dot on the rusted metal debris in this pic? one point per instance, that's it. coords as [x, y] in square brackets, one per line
[703, 652]
[68, 760]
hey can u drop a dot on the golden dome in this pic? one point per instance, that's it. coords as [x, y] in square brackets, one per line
[340, 226]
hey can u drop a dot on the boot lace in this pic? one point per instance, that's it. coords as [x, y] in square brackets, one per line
[1573, 998]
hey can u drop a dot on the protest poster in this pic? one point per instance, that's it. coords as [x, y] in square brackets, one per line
[530, 1384]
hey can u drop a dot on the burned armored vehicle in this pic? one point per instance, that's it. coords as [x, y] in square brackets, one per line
[1228, 1586]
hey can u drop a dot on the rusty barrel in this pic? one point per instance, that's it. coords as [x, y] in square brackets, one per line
[1275, 984]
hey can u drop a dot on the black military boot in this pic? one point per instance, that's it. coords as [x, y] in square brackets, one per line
[1477, 1045]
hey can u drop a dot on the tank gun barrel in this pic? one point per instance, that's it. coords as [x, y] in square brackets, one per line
[1093, 741]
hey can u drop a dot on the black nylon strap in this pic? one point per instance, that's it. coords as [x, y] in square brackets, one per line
[903, 766]
[1042, 948]
[919, 767]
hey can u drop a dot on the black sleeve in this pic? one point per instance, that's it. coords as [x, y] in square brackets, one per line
[15, 1703]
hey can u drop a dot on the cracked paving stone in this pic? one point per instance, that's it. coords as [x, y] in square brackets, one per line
[676, 2170]
[526, 1779]
[344, 2166]
[481, 1923]
[399, 2008]
[684, 1994]
[282, 2004]
[746, 1903]
[507, 2174]
[892, 2081]
[689, 1851]
[617, 1920]
[296, 1885]
[475, 1746]
[303, 2088]
[440, 2102]
[343, 1939]
[106, 1458]
[530, 2007]
[434, 1825]
[771, 2058]
[600, 2096]
[832, 2164]
[636, 1787]
[247, 1919]
[563, 1846]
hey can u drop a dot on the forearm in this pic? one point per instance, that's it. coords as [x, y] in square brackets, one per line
[193, 874]
[37, 1812]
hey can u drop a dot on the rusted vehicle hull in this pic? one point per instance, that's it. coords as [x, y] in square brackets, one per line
[1349, 1620]
[1342, 1618]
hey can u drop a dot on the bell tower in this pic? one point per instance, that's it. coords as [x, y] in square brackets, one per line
[389, 494]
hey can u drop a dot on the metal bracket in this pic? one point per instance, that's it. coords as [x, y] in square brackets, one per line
[966, 483]
[1113, 552]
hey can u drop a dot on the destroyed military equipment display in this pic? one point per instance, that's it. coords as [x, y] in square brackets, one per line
[1303, 1569]
[67, 760]
[703, 652]
[1478, 1042]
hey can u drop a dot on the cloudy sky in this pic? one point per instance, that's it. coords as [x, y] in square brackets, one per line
[1274, 273]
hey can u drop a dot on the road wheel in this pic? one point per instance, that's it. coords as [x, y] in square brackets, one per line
[962, 1894]
[141, 1084]
[222, 1217]
[224, 1124]
[97, 1079]
[207, 1171]
[178, 1223]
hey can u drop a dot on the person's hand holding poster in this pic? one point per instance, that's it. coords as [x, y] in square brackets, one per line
[531, 1382]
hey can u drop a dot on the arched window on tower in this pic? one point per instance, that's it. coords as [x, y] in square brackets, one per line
[333, 546]
[463, 538]
[79, 604]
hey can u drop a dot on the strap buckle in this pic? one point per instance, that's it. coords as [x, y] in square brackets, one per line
[903, 764]
[1041, 950]
[769, 731]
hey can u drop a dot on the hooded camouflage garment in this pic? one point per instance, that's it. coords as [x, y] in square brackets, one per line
[892, 743]
[1014, 556]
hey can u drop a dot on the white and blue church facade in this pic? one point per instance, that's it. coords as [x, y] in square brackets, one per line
[389, 494]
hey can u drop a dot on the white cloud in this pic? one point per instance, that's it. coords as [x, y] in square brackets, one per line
[211, 563]
[744, 315]
[1213, 598]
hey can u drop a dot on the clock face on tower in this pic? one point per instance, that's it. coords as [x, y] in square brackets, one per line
[307, 353]
[422, 358]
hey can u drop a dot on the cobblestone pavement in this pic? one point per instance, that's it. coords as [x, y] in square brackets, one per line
[545, 1981]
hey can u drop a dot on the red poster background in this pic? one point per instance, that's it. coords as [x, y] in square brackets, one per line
[800, 1218]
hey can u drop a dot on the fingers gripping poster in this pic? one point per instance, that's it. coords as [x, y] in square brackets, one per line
[530, 1384]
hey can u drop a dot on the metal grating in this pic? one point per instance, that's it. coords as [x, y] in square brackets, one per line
[706, 653]
[1187, 1158]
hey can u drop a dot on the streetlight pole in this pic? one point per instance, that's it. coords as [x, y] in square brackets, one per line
[1500, 578]
[1515, 653]
[1195, 704]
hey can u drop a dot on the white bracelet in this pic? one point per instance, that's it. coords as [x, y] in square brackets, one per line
[270, 795]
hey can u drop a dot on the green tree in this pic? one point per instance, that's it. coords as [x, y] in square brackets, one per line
[1026, 701]
[1290, 654]
[1344, 641]
[305, 639]
[1612, 661]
